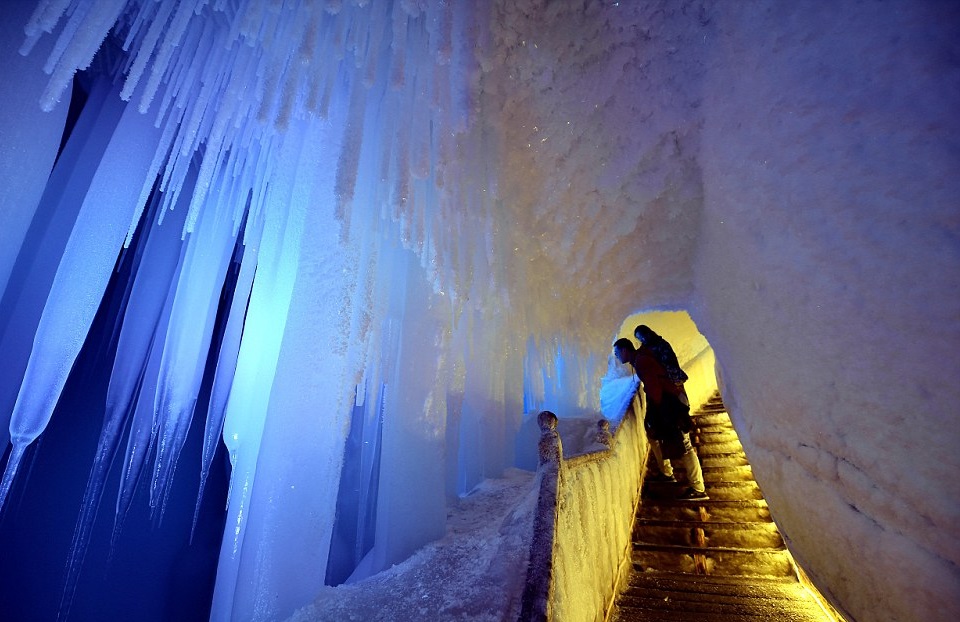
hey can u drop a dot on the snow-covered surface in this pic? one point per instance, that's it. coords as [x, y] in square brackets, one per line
[474, 573]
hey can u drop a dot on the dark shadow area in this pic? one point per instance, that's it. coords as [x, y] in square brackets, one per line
[354, 528]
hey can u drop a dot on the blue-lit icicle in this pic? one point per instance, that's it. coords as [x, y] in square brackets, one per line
[81, 279]
[284, 211]
[188, 340]
[151, 283]
[226, 361]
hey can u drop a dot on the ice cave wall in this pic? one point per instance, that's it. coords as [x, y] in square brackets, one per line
[785, 172]
[788, 173]
[828, 283]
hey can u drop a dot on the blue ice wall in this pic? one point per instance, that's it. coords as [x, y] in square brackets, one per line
[281, 190]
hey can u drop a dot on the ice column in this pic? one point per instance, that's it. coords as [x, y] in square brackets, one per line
[148, 293]
[194, 309]
[411, 509]
[283, 557]
[284, 214]
[227, 356]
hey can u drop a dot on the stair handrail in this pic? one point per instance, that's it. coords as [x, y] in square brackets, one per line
[536, 590]
[536, 598]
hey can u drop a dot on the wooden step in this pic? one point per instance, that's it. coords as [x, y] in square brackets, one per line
[687, 586]
[712, 404]
[717, 491]
[710, 474]
[717, 435]
[736, 473]
[708, 460]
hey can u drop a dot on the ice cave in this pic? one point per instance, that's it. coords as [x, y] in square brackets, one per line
[283, 280]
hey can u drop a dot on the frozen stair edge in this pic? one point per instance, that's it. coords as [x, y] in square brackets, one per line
[643, 610]
[714, 534]
[648, 615]
[744, 602]
[688, 586]
[715, 559]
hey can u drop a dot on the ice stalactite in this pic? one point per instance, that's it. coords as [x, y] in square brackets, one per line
[557, 378]
[411, 500]
[143, 424]
[187, 341]
[156, 269]
[80, 281]
[53, 220]
[281, 124]
[292, 503]
[227, 357]
[284, 213]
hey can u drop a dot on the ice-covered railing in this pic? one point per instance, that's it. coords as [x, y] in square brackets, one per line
[577, 560]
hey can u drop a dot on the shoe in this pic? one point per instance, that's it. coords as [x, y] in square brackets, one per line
[660, 478]
[693, 495]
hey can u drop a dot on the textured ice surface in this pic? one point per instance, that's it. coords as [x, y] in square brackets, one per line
[510, 180]
[474, 572]
[81, 279]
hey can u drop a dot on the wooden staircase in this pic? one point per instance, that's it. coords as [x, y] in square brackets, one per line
[720, 560]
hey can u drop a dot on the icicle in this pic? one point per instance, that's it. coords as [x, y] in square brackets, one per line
[257, 359]
[13, 465]
[144, 423]
[187, 342]
[420, 138]
[398, 45]
[28, 149]
[350, 153]
[208, 169]
[227, 360]
[443, 47]
[171, 184]
[57, 214]
[82, 277]
[144, 308]
[150, 181]
[210, 86]
[148, 13]
[146, 49]
[44, 19]
[46, 16]
[401, 174]
[83, 44]
[379, 24]
[68, 34]
[172, 39]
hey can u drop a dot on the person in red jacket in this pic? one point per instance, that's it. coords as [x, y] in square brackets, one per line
[663, 352]
[667, 418]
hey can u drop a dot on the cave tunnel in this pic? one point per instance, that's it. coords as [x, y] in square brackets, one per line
[231, 233]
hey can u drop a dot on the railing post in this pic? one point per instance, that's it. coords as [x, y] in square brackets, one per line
[536, 590]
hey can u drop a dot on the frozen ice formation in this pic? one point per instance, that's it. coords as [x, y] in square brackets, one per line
[415, 220]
